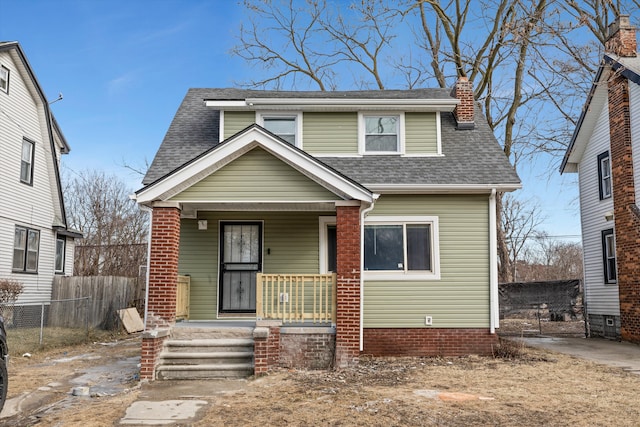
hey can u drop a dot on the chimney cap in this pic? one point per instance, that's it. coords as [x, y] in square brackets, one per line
[621, 22]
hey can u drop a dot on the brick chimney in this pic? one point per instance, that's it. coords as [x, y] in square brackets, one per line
[622, 38]
[464, 112]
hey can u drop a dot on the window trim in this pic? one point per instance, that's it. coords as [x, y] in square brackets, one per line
[296, 115]
[324, 222]
[63, 239]
[25, 250]
[602, 178]
[362, 137]
[433, 274]
[4, 69]
[31, 164]
[608, 233]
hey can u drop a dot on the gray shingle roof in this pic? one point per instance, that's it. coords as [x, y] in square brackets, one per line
[470, 156]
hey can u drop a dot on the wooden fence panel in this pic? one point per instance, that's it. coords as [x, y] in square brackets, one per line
[104, 296]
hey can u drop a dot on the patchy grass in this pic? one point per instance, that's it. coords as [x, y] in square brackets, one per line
[27, 340]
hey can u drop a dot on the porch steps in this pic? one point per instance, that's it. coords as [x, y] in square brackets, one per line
[188, 355]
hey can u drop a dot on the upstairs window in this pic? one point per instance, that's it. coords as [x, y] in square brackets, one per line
[4, 79]
[604, 175]
[609, 256]
[26, 245]
[381, 134]
[26, 163]
[286, 126]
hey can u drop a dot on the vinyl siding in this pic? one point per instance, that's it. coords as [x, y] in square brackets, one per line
[33, 206]
[257, 175]
[421, 136]
[235, 121]
[460, 299]
[330, 133]
[600, 298]
[290, 245]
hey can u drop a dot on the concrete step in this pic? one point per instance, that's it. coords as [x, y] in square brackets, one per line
[193, 372]
[206, 358]
[209, 345]
[197, 332]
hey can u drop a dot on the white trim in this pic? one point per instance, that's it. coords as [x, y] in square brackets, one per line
[363, 214]
[221, 127]
[337, 104]
[439, 188]
[438, 133]
[323, 222]
[224, 154]
[362, 134]
[494, 319]
[296, 115]
[7, 73]
[434, 274]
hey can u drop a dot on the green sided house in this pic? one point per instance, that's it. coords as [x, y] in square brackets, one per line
[336, 223]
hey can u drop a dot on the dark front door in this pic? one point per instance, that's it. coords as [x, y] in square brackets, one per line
[240, 260]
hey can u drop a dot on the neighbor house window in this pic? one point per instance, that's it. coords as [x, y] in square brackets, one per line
[609, 256]
[286, 126]
[26, 163]
[60, 249]
[381, 134]
[26, 245]
[604, 175]
[4, 79]
[408, 247]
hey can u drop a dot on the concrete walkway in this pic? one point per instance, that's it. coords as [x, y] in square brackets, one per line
[613, 353]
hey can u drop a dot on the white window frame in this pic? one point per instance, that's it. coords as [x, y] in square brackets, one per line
[32, 146]
[4, 79]
[433, 274]
[296, 115]
[324, 222]
[609, 235]
[25, 251]
[362, 150]
[62, 239]
[605, 180]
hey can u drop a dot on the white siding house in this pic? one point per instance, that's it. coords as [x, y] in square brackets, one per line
[35, 243]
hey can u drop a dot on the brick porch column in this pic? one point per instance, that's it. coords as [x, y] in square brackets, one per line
[348, 284]
[622, 42]
[162, 286]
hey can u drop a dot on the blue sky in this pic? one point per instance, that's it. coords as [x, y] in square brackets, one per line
[123, 68]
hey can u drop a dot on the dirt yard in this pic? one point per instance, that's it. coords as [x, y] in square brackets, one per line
[532, 387]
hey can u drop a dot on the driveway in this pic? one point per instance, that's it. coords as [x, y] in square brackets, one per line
[613, 353]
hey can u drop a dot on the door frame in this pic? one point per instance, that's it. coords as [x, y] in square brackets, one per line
[324, 221]
[221, 223]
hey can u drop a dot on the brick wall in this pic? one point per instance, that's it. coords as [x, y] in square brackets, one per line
[464, 112]
[428, 341]
[152, 344]
[348, 286]
[266, 349]
[627, 222]
[307, 350]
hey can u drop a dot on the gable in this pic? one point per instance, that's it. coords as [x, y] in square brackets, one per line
[257, 175]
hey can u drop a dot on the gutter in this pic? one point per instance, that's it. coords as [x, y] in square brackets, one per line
[494, 317]
[363, 214]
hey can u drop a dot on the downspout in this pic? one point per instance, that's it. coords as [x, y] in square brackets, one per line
[363, 214]
[493, 264]
[146, 288]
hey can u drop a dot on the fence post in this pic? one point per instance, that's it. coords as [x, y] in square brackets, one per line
[41, 321]
[86, 313]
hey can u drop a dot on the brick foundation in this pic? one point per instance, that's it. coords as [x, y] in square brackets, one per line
[348, 286]
[152, 343]
[307, 349]
[428, 341]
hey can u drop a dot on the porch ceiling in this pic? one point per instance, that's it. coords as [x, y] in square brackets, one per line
[190, 210]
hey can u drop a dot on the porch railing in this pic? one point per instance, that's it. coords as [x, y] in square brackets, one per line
[296, 297]
[182, 297]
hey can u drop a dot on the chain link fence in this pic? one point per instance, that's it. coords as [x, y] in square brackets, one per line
[552, 308]
[50, 323]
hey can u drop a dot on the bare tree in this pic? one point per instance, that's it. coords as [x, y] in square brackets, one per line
[520, 221]
[531, 61]
[114, 229]
[546, 259]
